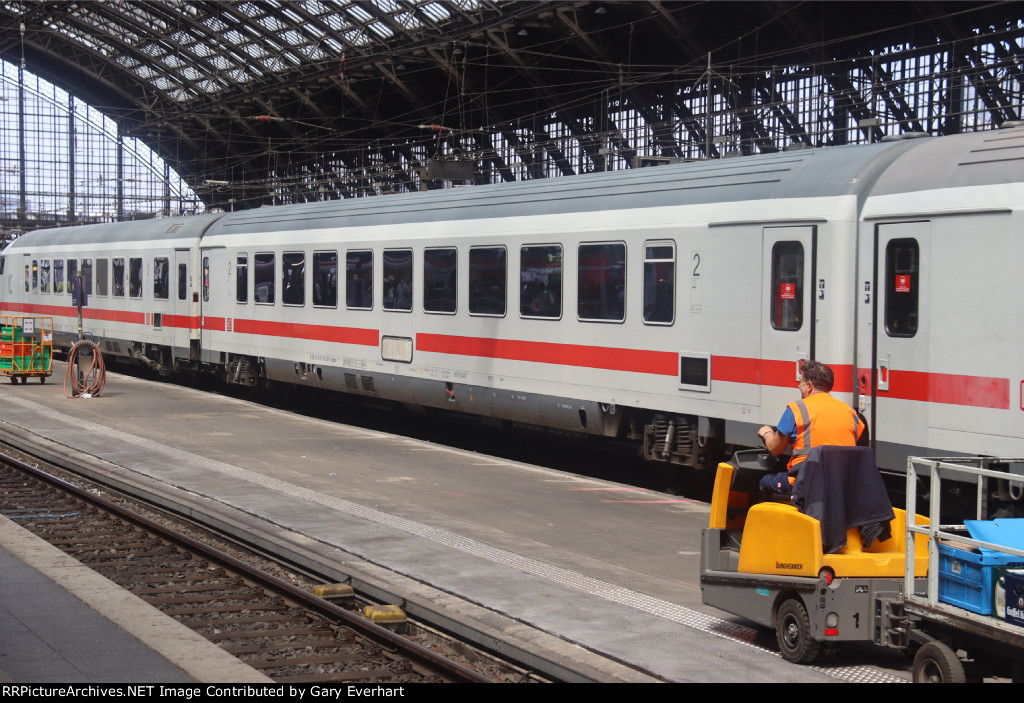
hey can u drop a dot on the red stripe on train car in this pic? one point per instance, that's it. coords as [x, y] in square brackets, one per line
[321, 333]
[975, 391]
[767, 372]
[636, 360]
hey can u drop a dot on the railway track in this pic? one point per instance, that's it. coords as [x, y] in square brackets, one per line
[273, 625]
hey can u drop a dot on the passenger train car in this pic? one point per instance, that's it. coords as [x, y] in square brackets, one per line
[670, 306]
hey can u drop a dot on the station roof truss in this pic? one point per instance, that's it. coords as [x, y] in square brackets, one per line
[272, 101]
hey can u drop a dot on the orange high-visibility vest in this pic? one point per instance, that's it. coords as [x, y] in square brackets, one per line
[822, 419]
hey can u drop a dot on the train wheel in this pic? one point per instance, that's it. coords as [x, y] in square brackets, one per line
[24, 380]
[793, 632]
[937, 663]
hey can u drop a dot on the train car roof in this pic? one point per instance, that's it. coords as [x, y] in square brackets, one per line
[162, 229]
[958, 161]
[795, 174]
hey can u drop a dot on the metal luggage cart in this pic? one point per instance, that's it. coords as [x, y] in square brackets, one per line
[962, 577]
[26, 347]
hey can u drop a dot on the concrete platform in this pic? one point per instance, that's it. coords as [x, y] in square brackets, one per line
[61, 622]
[583, 573]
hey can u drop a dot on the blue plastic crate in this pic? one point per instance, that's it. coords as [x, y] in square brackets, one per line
[967, 579]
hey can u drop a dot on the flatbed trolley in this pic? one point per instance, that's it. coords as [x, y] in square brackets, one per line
[26, 347]
[968, 575]
[763, 560]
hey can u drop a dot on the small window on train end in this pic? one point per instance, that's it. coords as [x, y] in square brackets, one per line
[440, 274]
[117, 279]
[293, 278]
[263, 279]
[325, 279]
[602, 282]
[134, 277]
[659, 283]
[359, 280]
[3, 264]
[787, 294]
[102, 276]
[28, 277]
[902, 285]
[161, 278]
[242, 278]
[487, 280]
[398, 279]
[182, 281]
[35, 276]
[540, 281]
[44, 276]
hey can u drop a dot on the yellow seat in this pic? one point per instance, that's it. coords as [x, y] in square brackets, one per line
[778, 539]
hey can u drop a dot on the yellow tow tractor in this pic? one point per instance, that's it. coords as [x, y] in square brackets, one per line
[26, 347]
[781, 563]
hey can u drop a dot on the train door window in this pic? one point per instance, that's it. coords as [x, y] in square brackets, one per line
[359, 280]
[242, 278]
[787, 286]
[398, 279]
[134, 277]
[206, 279]
[87, 276]
[602, 282]
[182, 281]
[44, 275]
[117, 282]
[263, 279]
[102, 276]
[35, 276]
[325, 279]
[72, 272]
[902, 269]
[440, 269]
[161, 278]
[540, 281]
[487, 280]
[659, 282]
[293, 278]
[58, 275]
[3, 264]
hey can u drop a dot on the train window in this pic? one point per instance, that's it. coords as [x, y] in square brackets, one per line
[72, 272]
[440, 268]
[206, 279]
[602, 282]
[398, 279]
[182, 281]
[44, 275]
[787, 286]
[540, 281]
[28, 277]
[87, 276]
[102, 276]
[3, 264]
[134, 277]
[902, 269]
[659, 282]
[117, 284]
[263, 279]
[58, 275]
[487, 280]
[242, 278]
[35, 276]
[325, 279]
[359, 279]
[161, 278]
[293, 278]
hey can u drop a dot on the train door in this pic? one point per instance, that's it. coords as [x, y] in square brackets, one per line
[898, 338]
[181, 295]
[208, 323]
[787, 322]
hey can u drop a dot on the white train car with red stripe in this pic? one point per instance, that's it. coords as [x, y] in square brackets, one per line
[669, 306]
